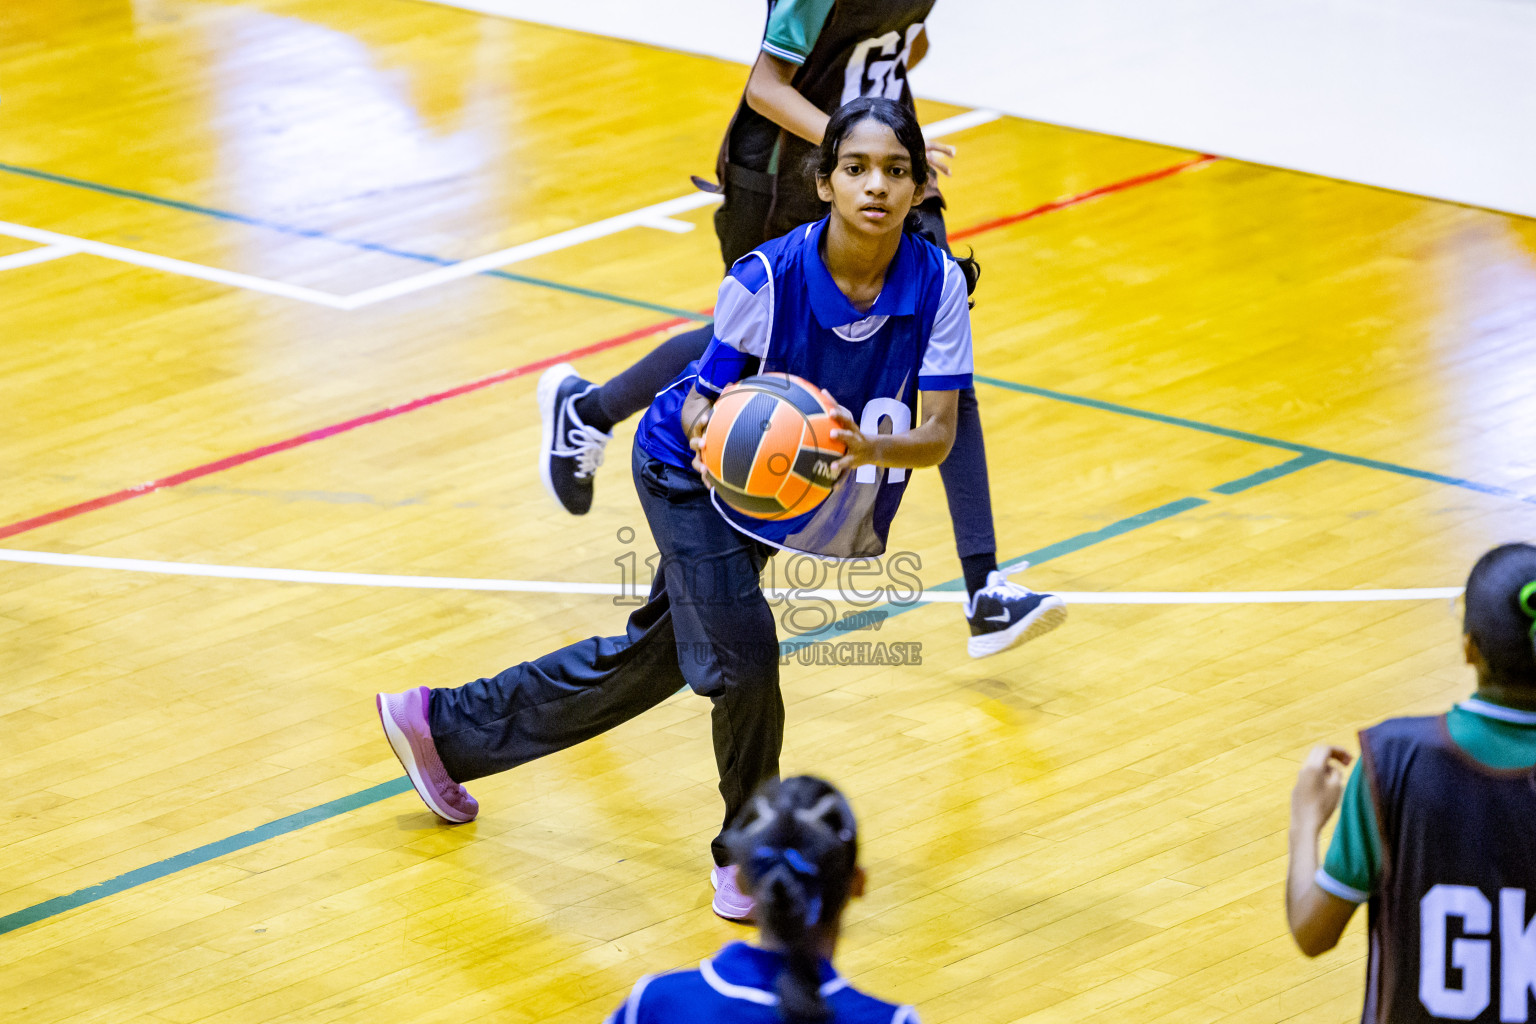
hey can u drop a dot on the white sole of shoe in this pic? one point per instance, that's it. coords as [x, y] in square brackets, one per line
[714, 905]
[549, 387]
[1048, 614]
[403, 753]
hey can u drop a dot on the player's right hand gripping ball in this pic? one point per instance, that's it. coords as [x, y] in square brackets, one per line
[768, 449]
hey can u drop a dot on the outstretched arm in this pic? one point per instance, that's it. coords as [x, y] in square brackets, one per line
[1317, 917]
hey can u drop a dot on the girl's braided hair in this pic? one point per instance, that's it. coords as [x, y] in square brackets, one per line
[796, 846]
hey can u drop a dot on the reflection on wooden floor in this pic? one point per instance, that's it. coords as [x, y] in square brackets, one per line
[1091, 827]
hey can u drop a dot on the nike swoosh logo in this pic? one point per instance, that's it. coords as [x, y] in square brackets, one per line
[999, 617]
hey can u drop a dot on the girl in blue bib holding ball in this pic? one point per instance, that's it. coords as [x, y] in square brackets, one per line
[875, 314]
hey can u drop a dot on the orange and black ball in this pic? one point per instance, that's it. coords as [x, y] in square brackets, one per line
[768, 449]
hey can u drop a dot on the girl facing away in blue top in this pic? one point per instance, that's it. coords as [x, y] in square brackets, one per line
[884, 312]
[797, 847]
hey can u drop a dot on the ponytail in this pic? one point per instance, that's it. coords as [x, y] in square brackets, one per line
[796, 846]
[790, 910]
[916, 224]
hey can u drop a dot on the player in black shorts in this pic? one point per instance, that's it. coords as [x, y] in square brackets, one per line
[816, 56]
[1437, 834]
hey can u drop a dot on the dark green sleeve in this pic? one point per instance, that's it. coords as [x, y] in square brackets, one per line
[1353, 864]
[794, 27]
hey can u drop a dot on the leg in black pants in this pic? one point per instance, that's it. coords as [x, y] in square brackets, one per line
[964, 472]
[633, 388]
[1001, 613]
[706, 625]
[739, 226]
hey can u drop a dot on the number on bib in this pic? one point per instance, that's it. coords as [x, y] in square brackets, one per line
[883, 411]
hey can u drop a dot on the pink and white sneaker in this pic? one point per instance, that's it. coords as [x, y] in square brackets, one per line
[730, 902]
[404, 717]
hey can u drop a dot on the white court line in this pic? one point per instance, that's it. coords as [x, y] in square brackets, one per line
[660, 216]
[41, 254]
[363, 579]
[672, 224]
[172, 266]
[646, 216]
[960, 122]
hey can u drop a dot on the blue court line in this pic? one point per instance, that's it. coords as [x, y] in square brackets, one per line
[294, 822]
[182, 861]
[354, 243]
[1317, 454]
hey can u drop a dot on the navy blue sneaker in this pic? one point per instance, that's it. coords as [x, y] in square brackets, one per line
[1004, 614]
[570, 451]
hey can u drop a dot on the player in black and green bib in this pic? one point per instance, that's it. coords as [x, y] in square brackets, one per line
[816, 56]
[1437, 831]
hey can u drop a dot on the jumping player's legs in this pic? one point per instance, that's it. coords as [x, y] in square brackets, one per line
[964, 472]
[579, 416]
[968, 491]
[1001, 614]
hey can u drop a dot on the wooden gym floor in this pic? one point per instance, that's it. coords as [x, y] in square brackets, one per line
[216, 218]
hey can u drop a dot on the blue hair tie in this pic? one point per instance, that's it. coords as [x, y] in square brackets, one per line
[766, 858]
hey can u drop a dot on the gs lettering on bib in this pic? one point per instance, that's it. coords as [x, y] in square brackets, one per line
[878, 66]
[863, 49]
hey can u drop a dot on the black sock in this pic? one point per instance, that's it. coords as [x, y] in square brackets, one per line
[976, 568]
[590, 408]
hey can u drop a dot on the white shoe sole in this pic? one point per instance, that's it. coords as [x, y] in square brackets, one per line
[714, 905]
[403, 753]
[1048, 614]
[549, 386]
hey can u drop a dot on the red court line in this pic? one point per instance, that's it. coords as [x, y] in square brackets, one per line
[1083, 197]
[230, 462]
[241, 459]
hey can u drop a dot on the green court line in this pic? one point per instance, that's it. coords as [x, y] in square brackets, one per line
[1307, 455]
[324, 236]
[1110, 532]
[1317, 454]
[182, 861]
[294, 822]
[1264, 476]
[1092, 537]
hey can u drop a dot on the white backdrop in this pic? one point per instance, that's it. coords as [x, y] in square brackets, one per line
[1436, 97]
